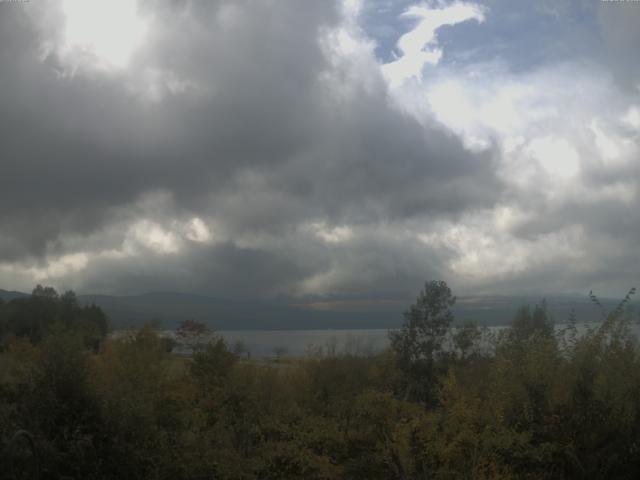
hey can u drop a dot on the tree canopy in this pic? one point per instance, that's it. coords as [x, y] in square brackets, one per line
[542, 402]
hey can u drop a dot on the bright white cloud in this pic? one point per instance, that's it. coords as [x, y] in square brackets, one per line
[322, 282]
[101, 34]
[632, 117]
[555, 155]
[540, 127]
[608, 148]
[153, 236]
[550, 139]
[329, 234]
[51, 269]
[61, 266]
[482, 247]
[198, 231]
[419, 47]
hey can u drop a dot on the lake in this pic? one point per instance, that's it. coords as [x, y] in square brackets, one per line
[263, 343]
[269, 343]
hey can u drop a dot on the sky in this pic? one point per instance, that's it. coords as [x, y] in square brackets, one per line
[348, 149]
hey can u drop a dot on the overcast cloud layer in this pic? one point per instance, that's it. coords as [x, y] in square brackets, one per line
[261, 149]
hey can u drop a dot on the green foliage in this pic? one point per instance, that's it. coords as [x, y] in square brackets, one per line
[419, 343]
[541, 403]
[469, 342]
[194, 335]
[36, 316]
[212, 364]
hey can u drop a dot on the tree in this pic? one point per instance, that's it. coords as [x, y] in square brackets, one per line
[467, 341]
[44, 292]
[193, 334]
[212, 363]
[419, 343]
[533, 323]
[36, 316]
[528, 326]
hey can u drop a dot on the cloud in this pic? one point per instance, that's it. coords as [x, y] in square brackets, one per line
[259, 149]
[241, 148]
[618, 22]
[88, 39]
[418, 47]
[563, 122]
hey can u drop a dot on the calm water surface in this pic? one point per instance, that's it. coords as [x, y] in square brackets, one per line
[268, 343]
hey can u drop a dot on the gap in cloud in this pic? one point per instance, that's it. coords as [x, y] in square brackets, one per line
[419, 47]
[383, 22]
[519, 81]
[524, 35]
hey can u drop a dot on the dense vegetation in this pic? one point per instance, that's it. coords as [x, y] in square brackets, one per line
[532, 402]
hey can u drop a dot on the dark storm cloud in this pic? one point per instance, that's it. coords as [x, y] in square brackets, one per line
[246, 127]
[372, 266]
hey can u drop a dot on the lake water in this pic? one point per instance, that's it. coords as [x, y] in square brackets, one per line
[269, 343]
[263, 343]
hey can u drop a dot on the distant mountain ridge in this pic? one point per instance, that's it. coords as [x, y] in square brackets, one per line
[170, 308]
[7, 295]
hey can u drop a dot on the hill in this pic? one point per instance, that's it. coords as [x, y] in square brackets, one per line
[170, 308]
[7, 295]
